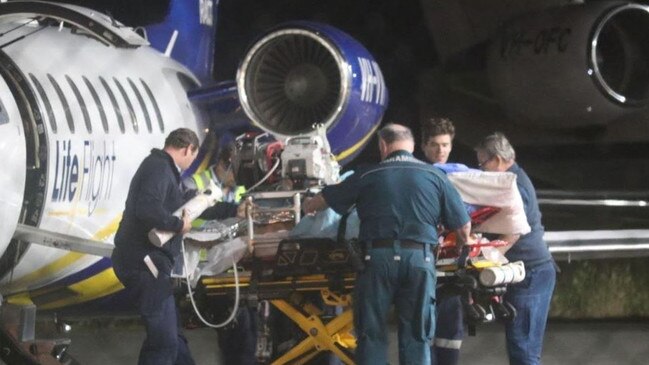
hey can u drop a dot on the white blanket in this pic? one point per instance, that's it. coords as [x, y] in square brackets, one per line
[496, 189]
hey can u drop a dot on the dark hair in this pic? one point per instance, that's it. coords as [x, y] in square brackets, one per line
[393, 132]
[181, 138]
[436, 126]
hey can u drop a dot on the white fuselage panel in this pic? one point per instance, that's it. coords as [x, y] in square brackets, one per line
[104, 109]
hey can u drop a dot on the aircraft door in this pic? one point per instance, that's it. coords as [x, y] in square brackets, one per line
[12, 174]
[23, 149]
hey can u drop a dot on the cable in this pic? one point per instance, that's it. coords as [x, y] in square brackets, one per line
[270, 172]
[235, 309]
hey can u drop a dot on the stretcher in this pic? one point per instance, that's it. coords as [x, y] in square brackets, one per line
[311, 280]
[303, 277]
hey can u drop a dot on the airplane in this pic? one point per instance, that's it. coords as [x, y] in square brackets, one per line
[84, 98]
[564, 80]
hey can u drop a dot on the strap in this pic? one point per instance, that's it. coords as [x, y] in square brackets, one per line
[342, 227]
[356, 262]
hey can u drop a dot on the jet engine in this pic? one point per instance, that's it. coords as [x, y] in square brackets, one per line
[304, 74]
[573, 66]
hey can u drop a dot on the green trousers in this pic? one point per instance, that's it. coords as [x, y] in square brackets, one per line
[405, 277]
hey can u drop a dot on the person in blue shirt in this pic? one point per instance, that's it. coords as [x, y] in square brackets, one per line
[437, 136]
[532, 296]
[400, 203]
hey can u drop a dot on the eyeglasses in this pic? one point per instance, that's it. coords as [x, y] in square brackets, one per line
[481, 164]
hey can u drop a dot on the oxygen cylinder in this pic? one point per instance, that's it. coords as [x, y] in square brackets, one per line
[194, 208]
[506, 274]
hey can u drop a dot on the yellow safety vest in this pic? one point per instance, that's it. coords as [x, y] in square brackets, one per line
[202, 179]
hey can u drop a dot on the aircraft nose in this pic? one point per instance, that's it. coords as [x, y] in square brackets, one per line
[12, 176]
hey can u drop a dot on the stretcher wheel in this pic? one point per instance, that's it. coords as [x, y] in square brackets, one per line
[502, 311]
[512, 310]
[467, 282]
[475, 313]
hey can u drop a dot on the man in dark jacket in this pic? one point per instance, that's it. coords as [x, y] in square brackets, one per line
[144, 269]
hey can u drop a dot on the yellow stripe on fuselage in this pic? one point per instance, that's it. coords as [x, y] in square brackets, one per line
[350, 151]
[49, 270]
[206, 160]
[204, 164]
[102, 282]
[97, 286]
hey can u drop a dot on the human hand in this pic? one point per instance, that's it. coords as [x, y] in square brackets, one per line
[473, 239]
[460, 245]
[187, 223]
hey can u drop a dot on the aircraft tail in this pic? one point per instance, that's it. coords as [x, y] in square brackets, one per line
[187, 35]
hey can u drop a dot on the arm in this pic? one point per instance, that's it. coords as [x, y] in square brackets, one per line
[339, 197]
[149, 206]
[463, 235]
[220, 211]
[510, 239]
[454, 215]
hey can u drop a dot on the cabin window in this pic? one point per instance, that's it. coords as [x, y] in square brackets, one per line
[113, 101]
[100, 107]
[46, 102]
[129, 105]
[158, 114]
[64, 102]
[140, 100]
[82, 103]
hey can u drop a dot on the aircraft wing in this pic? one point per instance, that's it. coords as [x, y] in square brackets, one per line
[564, 245]
[583, 245]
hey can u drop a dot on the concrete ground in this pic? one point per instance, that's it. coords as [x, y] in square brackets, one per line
[593, 343]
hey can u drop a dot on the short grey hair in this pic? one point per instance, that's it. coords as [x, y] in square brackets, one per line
[393, 132]
[497, 145]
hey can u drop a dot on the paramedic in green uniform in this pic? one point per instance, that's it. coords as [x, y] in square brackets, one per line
[400, 203]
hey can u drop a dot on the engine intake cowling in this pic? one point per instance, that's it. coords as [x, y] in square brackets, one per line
[303, 74]
[573, 66]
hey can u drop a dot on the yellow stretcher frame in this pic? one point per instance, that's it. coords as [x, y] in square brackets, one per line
[285, 295]
[320, 335]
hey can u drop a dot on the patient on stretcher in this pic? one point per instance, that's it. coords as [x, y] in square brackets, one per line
[491, 198]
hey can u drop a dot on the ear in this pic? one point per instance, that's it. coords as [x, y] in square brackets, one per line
[501, 164]
[382, 146]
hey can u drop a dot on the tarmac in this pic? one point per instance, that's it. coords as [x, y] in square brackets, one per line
[592, 342]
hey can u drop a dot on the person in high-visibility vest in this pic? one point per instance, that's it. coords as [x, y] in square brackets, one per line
[238, 342]
[223, 176]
